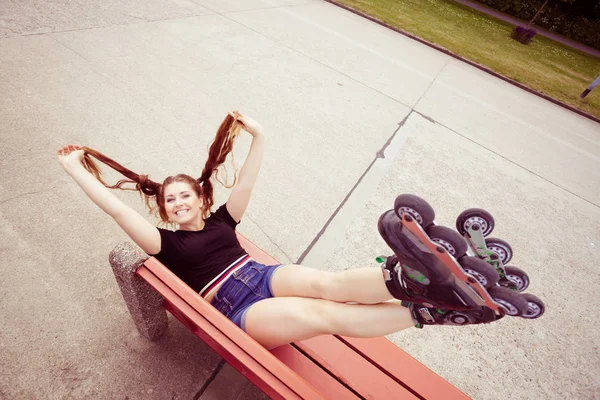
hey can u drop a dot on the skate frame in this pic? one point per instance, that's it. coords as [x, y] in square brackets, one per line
[478, 293]
[478, 248]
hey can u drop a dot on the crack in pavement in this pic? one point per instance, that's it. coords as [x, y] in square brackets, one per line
[26, 194]
[326, 236]
[428, 118]
[143, 21]
[146, 21]
[211, 378]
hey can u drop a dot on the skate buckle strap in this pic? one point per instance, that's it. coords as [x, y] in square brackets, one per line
[426, 315]
[387, 264]
[387, 275]
[413, 314]
[385, 267]
[393, 282]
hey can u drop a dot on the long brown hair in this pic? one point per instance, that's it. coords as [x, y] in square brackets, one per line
[219, 149]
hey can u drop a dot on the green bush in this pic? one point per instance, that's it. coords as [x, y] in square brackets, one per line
[575, 19]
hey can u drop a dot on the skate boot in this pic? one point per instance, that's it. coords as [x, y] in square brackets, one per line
[431, 268]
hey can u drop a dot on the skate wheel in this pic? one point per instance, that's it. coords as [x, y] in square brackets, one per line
[515, 302]
[480, 270]
[535, 306]
[500, 247]
[518, 277]
[475, 215]
[458, 318]
[449, 239]
[416, 207]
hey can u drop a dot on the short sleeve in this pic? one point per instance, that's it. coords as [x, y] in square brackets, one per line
[167, 239]
[222, 214]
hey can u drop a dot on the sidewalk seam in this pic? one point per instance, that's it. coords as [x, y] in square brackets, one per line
[431, 84]
[509, 160]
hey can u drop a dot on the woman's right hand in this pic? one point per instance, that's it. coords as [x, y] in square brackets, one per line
[249, 125]
[70, 155]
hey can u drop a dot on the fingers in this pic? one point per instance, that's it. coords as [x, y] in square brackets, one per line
[68, 149]
[238, 117]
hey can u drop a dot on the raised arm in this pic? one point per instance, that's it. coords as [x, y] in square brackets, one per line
[240, 195]
[141, 231]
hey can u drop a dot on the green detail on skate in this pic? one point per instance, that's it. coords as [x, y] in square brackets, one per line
[419, 278]
[499, 269]
[416, 275]
[439, 311]
[485, 250]
[380, 260]
[496, 264]
[415, 319]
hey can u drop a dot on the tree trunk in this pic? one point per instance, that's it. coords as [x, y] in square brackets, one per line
[538, 13]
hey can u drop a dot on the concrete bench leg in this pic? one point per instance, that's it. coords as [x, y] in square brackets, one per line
[144, 303]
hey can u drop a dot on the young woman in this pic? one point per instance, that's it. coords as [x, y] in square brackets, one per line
[273, 304]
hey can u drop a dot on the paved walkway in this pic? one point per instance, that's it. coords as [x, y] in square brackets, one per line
[540, 31]
[355, 114]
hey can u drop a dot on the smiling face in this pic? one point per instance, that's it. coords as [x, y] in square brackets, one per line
[182, 204]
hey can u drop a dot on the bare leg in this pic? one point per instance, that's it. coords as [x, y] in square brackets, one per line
[281, 320]
[360, 285]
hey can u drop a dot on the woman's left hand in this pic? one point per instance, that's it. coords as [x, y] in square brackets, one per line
[250, 125]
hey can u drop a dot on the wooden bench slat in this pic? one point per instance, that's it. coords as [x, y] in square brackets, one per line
[403, 367]
[261, 367]
[327, 385]
[352, 369]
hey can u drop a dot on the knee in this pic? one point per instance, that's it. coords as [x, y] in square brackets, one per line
[320, 316]
[331, 286]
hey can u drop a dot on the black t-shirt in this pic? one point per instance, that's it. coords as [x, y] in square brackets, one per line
[197, 257]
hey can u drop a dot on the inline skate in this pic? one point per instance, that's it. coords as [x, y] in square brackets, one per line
[447, 277]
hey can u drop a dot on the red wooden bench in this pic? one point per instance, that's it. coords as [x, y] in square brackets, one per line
[325, 367]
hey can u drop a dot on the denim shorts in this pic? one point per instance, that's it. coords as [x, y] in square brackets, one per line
[244, 287]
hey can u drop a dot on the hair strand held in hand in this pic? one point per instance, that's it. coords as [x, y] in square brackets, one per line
[217, 154]
[220, 148]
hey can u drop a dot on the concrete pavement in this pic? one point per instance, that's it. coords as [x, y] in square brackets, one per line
[148, 83]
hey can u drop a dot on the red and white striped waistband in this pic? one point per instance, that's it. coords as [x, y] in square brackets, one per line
[227, 272]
